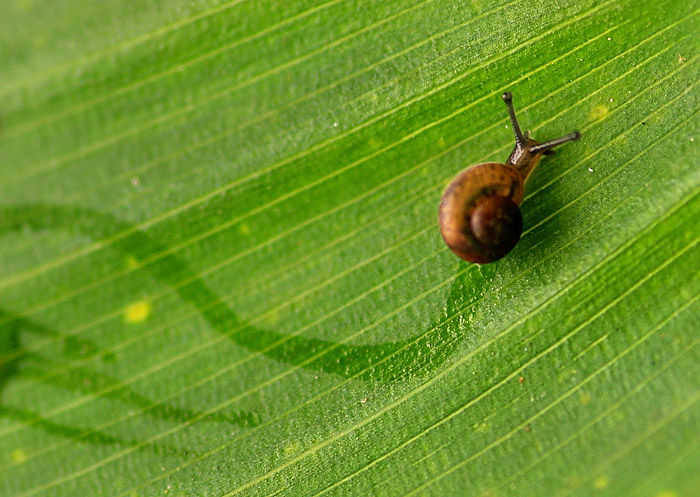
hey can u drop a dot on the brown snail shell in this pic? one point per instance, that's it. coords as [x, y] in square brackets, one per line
[479, 215]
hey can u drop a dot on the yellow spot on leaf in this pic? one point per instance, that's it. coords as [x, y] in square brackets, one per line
[601, 483]
[599, 112]
[244, 229]
[25, 5]
[18, 456]
[137, 312]
[132, 262]
[667, 493]
[585, 398]
[373, 143]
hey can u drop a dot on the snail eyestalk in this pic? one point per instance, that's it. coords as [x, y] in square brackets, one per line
[508, 99]
[541, 147]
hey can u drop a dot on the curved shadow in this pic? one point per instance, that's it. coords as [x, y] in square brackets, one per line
[385, 362]
[32, 365]
[418, 355]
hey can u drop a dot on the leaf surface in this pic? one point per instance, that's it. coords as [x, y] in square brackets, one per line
[222, 271]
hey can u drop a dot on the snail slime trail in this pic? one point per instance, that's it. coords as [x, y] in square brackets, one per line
[479, 215]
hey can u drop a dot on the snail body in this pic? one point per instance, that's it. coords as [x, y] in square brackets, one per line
[480, 220]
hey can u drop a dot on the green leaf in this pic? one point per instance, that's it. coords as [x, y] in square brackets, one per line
[222, 273]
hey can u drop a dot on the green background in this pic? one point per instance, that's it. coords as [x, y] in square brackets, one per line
[221, 271]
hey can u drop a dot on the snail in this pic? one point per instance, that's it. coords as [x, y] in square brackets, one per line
[479, 216]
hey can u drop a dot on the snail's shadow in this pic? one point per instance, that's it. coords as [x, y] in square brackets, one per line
[384, 362]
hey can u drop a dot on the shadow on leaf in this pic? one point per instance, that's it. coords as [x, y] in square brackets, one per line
[385, 362]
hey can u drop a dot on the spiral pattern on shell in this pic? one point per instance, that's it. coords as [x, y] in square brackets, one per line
[479, 216]
[496, 224]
